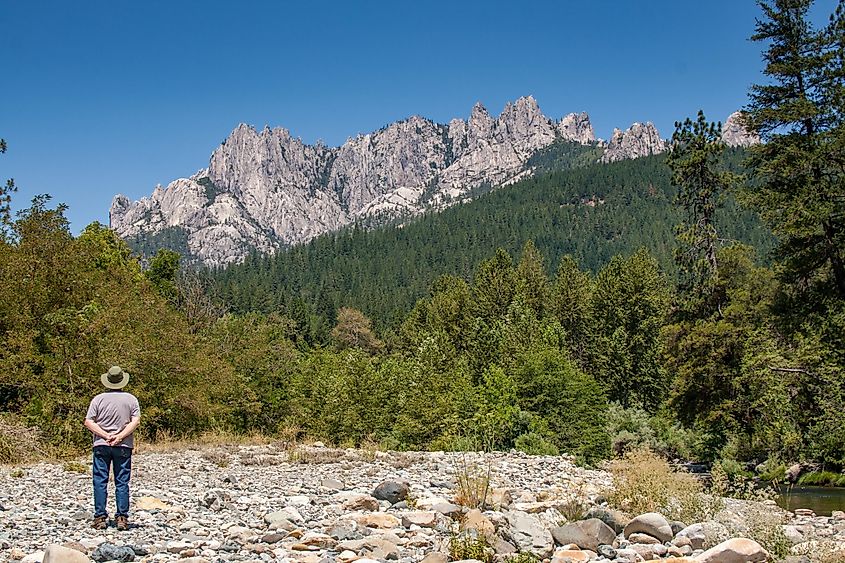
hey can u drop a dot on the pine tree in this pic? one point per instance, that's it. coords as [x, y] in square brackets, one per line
[697, 149]
[799, 172]
[6, 192]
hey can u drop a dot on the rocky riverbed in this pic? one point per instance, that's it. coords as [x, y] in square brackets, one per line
[316, 504]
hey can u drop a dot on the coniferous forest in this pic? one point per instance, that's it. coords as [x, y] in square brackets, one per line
[691, 302]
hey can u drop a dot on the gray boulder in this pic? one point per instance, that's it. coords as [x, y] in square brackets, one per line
[60, 554]
[586, 534]
[651, 523]
[612, 518]
[736, 550]
[111, 552]
[392, 491]
[527, 533]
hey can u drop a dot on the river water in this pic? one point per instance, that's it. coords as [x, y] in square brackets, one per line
[821, 500]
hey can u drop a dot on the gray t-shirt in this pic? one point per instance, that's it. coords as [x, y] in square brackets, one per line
[112, 411]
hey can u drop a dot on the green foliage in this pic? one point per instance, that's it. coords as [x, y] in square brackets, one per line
[798, 172]
[572, 403]
[592, 213]
[698, 173]
[73, 306]
[633, 428]
[630, 305]
[466, 546]
[535, 444]
[822, 479]
[162, 272]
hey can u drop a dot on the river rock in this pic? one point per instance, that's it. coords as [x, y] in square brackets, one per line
[692, 535]
[34, 557]
[528, 534]
[736, 550]
[377, 520]
[650, 523]
[645, 539]
[570, 556]
[111, 552]
[793, 472]
[586, 534]
[151, 503]
[613, 518]
[61, 554]
[361, 502]
[392, 491]
[423, 519]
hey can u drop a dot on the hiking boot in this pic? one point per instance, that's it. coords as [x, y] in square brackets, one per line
[122, 522]
[100, 523]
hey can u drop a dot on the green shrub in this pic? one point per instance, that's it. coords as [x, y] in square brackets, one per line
[524, 557]
[822, 479]
[465, 546]
[534, 444]
[633, 428]
[773, 471]
[456, 444]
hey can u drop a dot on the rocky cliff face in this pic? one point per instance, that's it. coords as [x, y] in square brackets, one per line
[266, 190]
[736, 134]
[637, 141]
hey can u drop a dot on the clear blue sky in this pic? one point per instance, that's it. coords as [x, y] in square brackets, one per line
[107, 96]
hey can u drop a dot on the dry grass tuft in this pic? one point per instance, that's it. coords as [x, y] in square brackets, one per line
[75, 467]
[576, 506]
[644, 482]
[164, 441]
[218, 457]
[19, 443]
[473, 484]
[312, 455]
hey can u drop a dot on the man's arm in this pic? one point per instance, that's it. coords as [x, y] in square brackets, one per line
[95, 428]
[127, 430]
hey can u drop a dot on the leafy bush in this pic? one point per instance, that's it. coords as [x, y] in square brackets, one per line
[450, 443]
[535, 444]
[633, 428]
[773, 471]
[644, 482]
[465, 546]
[823, 479]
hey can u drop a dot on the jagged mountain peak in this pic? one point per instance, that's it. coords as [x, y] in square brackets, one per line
[735, 132]
[640, 139]
[266, 189]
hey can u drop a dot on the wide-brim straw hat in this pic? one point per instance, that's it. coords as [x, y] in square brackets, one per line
[115, 378]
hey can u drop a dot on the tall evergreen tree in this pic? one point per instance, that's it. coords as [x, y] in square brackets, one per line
[6, 192]
[697, 148]
[799, 173]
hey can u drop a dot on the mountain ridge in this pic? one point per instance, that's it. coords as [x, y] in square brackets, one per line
[265, 190]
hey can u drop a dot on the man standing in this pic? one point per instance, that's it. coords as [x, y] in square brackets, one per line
[112, 417]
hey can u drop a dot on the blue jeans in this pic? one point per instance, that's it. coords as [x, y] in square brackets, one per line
[120, 459]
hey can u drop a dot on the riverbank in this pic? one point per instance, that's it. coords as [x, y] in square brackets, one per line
[314, 504]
